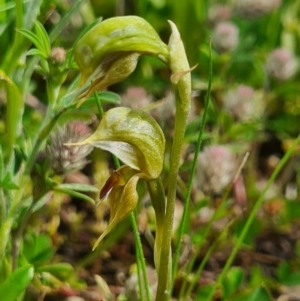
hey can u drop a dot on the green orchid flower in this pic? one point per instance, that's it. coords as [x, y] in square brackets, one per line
[138, 141]
[108, 53]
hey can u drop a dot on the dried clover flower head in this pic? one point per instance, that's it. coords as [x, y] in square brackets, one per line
[244, 103]
[281, 64]
[216, 169]
[58, 55]
[65, 159]
[251, 9]
[225, 37]
[219, 13]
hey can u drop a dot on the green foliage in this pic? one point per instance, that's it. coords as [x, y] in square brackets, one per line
[259, 294]
[233, 281]
[15, 284]
[37, 249]
[64, 62]
[40, 41]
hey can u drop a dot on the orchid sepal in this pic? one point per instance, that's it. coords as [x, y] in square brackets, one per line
[109, 51]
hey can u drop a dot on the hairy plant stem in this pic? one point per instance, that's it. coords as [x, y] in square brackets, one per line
[250, 219]
[165, 273]
[193, 170]
[157, 195]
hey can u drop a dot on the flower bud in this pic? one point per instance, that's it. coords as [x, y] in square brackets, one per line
[225, 37]
[65, 159]
[216, 169]
[244, 103]
[255, 8]
[58, 55]
[281, 64]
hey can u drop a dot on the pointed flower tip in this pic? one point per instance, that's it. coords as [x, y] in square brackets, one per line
[96, 244]
[175, 32]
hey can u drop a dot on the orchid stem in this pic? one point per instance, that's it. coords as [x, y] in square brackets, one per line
[165, 274]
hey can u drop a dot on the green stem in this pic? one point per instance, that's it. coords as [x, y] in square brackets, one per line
[5, 230]
[52, 93]
[181, 80]
[16, 240]
[157, 195]
[164, 276]
[250, 219]
[191, 177]
[140, 258]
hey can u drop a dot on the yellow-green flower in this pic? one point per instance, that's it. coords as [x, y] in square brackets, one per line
[138, 141]
[108, 53]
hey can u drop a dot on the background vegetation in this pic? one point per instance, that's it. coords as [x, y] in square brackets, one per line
[241, 235]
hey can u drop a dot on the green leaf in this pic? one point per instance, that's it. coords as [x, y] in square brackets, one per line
[233, 281]
[56, 31]
[31, 13]
[14, 111]
[286, 275]
[1, 164]
[43, 38]
[35, 52]
[61, 270]
[9, 5]
[7, 182]
[38, 249]
[259, 294]
[16, 283]
[79, 187]
[284, 270]
[74, 194]
[31, 37]
[41, 202]
[105, 98]
[108, 97]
